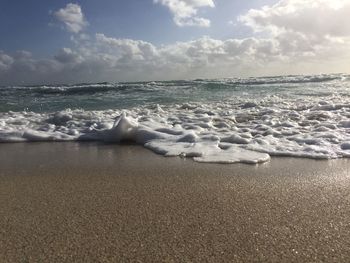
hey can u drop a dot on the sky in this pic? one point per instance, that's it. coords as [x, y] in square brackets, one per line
[57, 41]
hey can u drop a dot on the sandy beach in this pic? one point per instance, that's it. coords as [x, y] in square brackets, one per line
[88, 202]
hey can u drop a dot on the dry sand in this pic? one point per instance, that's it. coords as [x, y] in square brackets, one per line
[71, 202]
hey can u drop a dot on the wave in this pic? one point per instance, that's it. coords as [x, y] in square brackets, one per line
[292, 79]
[215, 84]
[234, 130]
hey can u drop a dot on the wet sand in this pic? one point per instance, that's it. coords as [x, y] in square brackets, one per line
[87, 202]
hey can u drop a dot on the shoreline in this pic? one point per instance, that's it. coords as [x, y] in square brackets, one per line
[104, 202]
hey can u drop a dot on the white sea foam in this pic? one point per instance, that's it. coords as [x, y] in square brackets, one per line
[235, 130]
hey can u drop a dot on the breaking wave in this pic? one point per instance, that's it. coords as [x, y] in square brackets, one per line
[209, 121]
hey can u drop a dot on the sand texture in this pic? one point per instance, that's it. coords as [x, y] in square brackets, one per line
[87, 202]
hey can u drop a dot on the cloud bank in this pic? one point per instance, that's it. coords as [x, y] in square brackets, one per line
[288, 47]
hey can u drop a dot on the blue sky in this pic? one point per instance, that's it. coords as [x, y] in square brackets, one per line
[28, 25]
[218, 38]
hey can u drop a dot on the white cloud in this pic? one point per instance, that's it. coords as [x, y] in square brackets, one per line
[319, 18]
[317, 31]
[185, 11]
[126, 48]
[68, 56]
[5, 61]
[73, 18]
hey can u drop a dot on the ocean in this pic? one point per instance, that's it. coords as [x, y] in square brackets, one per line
[221, 121]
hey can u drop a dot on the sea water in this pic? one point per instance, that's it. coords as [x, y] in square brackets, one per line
[223, 120]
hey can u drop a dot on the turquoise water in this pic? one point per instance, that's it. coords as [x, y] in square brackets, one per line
[103, 96]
